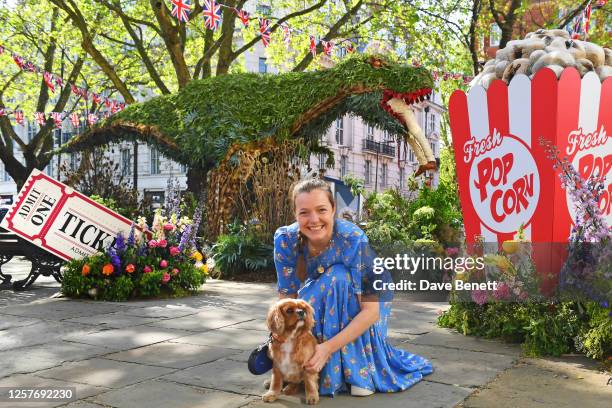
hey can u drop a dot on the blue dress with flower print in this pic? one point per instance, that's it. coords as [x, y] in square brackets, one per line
[334, 279]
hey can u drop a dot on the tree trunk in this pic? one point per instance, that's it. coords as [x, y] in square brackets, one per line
[196, 181]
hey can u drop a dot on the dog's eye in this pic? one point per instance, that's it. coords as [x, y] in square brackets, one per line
[289, 311]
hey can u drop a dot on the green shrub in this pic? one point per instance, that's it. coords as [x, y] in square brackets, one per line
[241, 252]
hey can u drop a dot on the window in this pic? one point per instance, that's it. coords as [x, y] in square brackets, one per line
[433, 148]
[341, 52]
[263, 66]
[340, 131]
[383, 175]
[410, 155]
[264, 9]
[368, 172]
[126, 162]
[66, 136]
[495, 36]
[432, 123]
[154, 161]
[402, 175]
[183, 168]
[32, 130]
[74, 161]
[343, 165]
[322, 160]
[5, 175]
[370, 133]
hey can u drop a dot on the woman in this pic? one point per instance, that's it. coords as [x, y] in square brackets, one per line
[333, 259]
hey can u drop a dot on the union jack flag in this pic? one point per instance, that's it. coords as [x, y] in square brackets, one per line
[75, 120]
[107, 102]
[92, 119]
[57, 119]
[313, 46]
[48, 78]
[181, 10]
[350, 48]
[19, 117]
[2, 112]
[30, 67]
[58, 81]
[287, 34]
[96, 98]
[264, 30]
[243, 16]
[435, 75]
[19, 61]
[115, 107]
[328, 46]
[599, 4]
[40, 118]
[75, 90]
[212, 14]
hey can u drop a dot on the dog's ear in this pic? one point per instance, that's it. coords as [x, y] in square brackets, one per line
[309, 320]
[276, 321]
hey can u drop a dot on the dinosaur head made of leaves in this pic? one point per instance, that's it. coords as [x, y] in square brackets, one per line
[198, 124]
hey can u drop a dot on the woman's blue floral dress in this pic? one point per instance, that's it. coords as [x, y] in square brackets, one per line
[334, 278]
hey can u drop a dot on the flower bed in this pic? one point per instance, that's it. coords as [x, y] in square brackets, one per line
[163, 263]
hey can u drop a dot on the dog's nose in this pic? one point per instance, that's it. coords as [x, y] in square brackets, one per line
[300, 314]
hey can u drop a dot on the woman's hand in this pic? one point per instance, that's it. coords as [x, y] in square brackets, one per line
[319, 359]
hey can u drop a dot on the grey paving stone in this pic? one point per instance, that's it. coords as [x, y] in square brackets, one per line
[172, 355]
[61, 309]
[450, 339]
[238, 339]
[104, 373]
[223, 375]
[162, 394]
[255, 324]
[212, 318]
[35, 358]
[45, 332]
[161, 311]
[29, 381]
[422, 395]
[83, 404]
[112, 320]
[127, 338]
[463, 368]
[8, 321]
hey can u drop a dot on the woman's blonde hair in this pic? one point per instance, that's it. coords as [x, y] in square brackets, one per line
[307, 186]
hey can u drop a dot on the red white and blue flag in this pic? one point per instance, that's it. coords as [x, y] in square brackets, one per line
[286, 34]
[19, 117]
[212, 14]
[243, 16]
[181, 10]
[57, 119]
[350, 48]
[264, 30]
[48, 78]
[75, 120]
[92, 119]
[328, 46]
[40, 118]
[313, 46]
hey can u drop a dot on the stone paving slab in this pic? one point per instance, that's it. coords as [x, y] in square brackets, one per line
[127, 338]
[422, 395]
[254, 324]
[463, 368]
[172, 355]
[61, 309]
[83, 404]
[163, 394]
[224, 375]
[29, 381]
[164, 312]
[213, 318]
[8, 321]
[104, 373]
[113, 320]
[238, 339]
[451, 339]
[30, 359]
[45, 332]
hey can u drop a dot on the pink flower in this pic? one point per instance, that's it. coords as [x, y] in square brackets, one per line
[452, 251]
[166, 277]
[175, 271]
[147, 269]
[174, 251]
[523, 296]
[169, 227]
[480, 296]
[162, 243]
[163, 263]
[153, 243]
[502, 292]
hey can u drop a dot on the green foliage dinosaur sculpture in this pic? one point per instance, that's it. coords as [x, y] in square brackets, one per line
[198, 125]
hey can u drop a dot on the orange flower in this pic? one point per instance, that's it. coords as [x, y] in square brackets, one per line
[108, 269]
[85, 270]
[130, 268]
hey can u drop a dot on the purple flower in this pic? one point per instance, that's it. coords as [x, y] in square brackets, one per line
[120, 243]
[131, 238]
[480, 296]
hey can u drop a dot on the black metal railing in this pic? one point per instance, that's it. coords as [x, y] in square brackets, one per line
[377, 147]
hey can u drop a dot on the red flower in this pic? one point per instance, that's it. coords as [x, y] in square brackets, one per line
[85, 270]
[174, 251]
[130, 268]
[108, 269]
[163, 264]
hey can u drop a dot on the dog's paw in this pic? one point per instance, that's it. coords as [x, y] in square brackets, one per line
[312, 399]
[269, 396]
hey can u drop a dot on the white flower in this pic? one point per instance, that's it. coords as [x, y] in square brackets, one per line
[210, 262]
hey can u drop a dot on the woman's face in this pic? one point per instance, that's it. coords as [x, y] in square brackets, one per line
[315, 215]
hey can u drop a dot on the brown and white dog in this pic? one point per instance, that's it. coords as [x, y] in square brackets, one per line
[291, 322]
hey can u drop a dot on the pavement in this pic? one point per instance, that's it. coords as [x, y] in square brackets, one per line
[192, 352]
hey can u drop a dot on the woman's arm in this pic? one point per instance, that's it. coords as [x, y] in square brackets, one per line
[368, 315]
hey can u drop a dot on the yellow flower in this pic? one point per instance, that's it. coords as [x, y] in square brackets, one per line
[197, 255]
